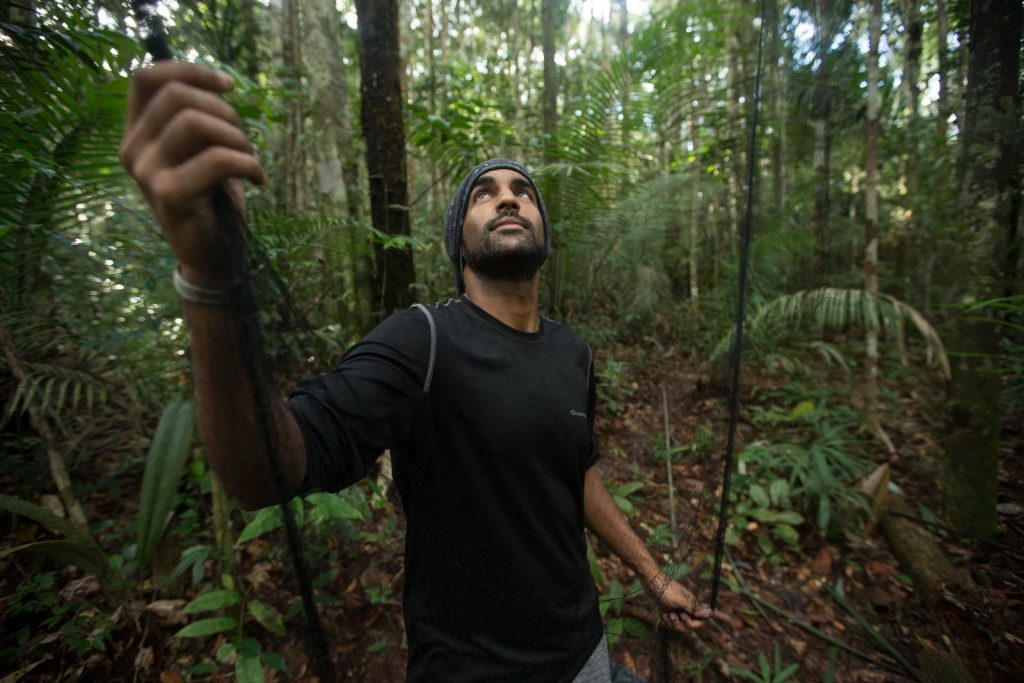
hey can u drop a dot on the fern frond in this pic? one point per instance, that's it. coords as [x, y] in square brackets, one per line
[831, 309]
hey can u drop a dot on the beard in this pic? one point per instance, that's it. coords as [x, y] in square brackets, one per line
[494, 260]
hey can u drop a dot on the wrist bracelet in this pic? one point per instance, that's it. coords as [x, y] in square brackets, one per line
[200, 295]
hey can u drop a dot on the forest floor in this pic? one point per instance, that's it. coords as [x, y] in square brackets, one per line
[779, 606]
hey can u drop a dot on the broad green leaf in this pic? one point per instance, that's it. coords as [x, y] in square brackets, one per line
[635, 628]
[760, 496]
[207, 627]
[778, 490]
[763, 515]
[268, 617]
[790, 517]
[248, 647]
[335, 505]
[802, 410]
[266, 520]
[765, 544]
[213, 600]
[274, 660]
[248, 670]
[165, 465]
[786, 534]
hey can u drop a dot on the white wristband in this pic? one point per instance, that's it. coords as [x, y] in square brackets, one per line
[200, 295]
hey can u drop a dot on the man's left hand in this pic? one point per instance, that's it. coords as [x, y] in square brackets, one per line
[680, 609]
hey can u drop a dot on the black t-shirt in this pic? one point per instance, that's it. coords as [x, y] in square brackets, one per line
[489, 462]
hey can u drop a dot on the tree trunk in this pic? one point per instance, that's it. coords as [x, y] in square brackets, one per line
[991, 187]
[337, 163]
[822, 111]
[549, 12]
[871, 228]
[290, 182]
[384, 133]
[249, 54]
[911, 159]
[698, 175]
[778, 111]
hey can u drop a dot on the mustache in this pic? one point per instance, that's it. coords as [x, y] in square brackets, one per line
[525, 222]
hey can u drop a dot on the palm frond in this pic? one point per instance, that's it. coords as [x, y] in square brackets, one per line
[834, 309]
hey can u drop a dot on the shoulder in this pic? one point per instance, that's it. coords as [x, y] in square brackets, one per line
[566, 337]
[400, 323]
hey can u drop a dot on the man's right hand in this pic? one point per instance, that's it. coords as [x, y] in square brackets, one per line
[181, 141]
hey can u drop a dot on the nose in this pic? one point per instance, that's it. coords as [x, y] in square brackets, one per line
[507, 200]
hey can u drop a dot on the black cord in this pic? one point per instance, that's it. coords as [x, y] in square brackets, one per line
[238, 239]
[737, 345]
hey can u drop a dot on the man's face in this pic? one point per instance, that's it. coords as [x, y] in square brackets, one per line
[503, 232]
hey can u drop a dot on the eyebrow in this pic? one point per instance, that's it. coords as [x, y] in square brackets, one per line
[518, 183]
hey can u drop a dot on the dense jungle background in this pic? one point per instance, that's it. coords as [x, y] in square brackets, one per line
[876, 512]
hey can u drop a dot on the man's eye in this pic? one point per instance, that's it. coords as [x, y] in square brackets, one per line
[481, 194]
[525, 193]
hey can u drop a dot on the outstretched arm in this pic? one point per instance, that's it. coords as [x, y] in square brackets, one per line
[181, 141]
[680, 608]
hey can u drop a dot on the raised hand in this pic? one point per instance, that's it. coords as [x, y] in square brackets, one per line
[181, 141]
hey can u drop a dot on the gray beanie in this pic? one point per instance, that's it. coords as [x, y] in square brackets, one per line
[457, 213]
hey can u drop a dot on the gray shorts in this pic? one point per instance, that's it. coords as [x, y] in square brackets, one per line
[597, 669]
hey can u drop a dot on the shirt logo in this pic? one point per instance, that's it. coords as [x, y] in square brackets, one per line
[577, 413]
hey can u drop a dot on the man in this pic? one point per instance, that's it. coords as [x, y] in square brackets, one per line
[487, 407]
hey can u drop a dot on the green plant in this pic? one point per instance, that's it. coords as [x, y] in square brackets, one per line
[813, 449]
[621, 493]
[78, 548]
[38, 615]
[769, 673]
[661, 535]
[244, 653]
[611, 607]
[613, 386]
[165, 466]
[765, 512]
[831, 308]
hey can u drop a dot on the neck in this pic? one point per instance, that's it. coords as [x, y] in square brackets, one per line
[513, 303]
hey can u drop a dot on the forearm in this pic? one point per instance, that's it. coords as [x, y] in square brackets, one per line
[232, 420]
[603, 517]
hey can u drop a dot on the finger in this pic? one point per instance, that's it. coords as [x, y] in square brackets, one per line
[192, 131]
[675, 621]
[172, 99]
[146, 82]
[196, 177]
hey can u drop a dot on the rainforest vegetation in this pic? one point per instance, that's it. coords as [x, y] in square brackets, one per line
[874, 517]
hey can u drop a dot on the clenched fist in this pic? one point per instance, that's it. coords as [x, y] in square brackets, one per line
[181, 141]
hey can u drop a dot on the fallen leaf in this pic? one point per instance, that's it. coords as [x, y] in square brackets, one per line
[171, 677]
[627, 660]
[168, 610]
[259, 574]
[878, 596]
[822, 562]
[144, 658]
[52, 503]
[799, 646]
[87, 585]
[875, 569]
[256, 547]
